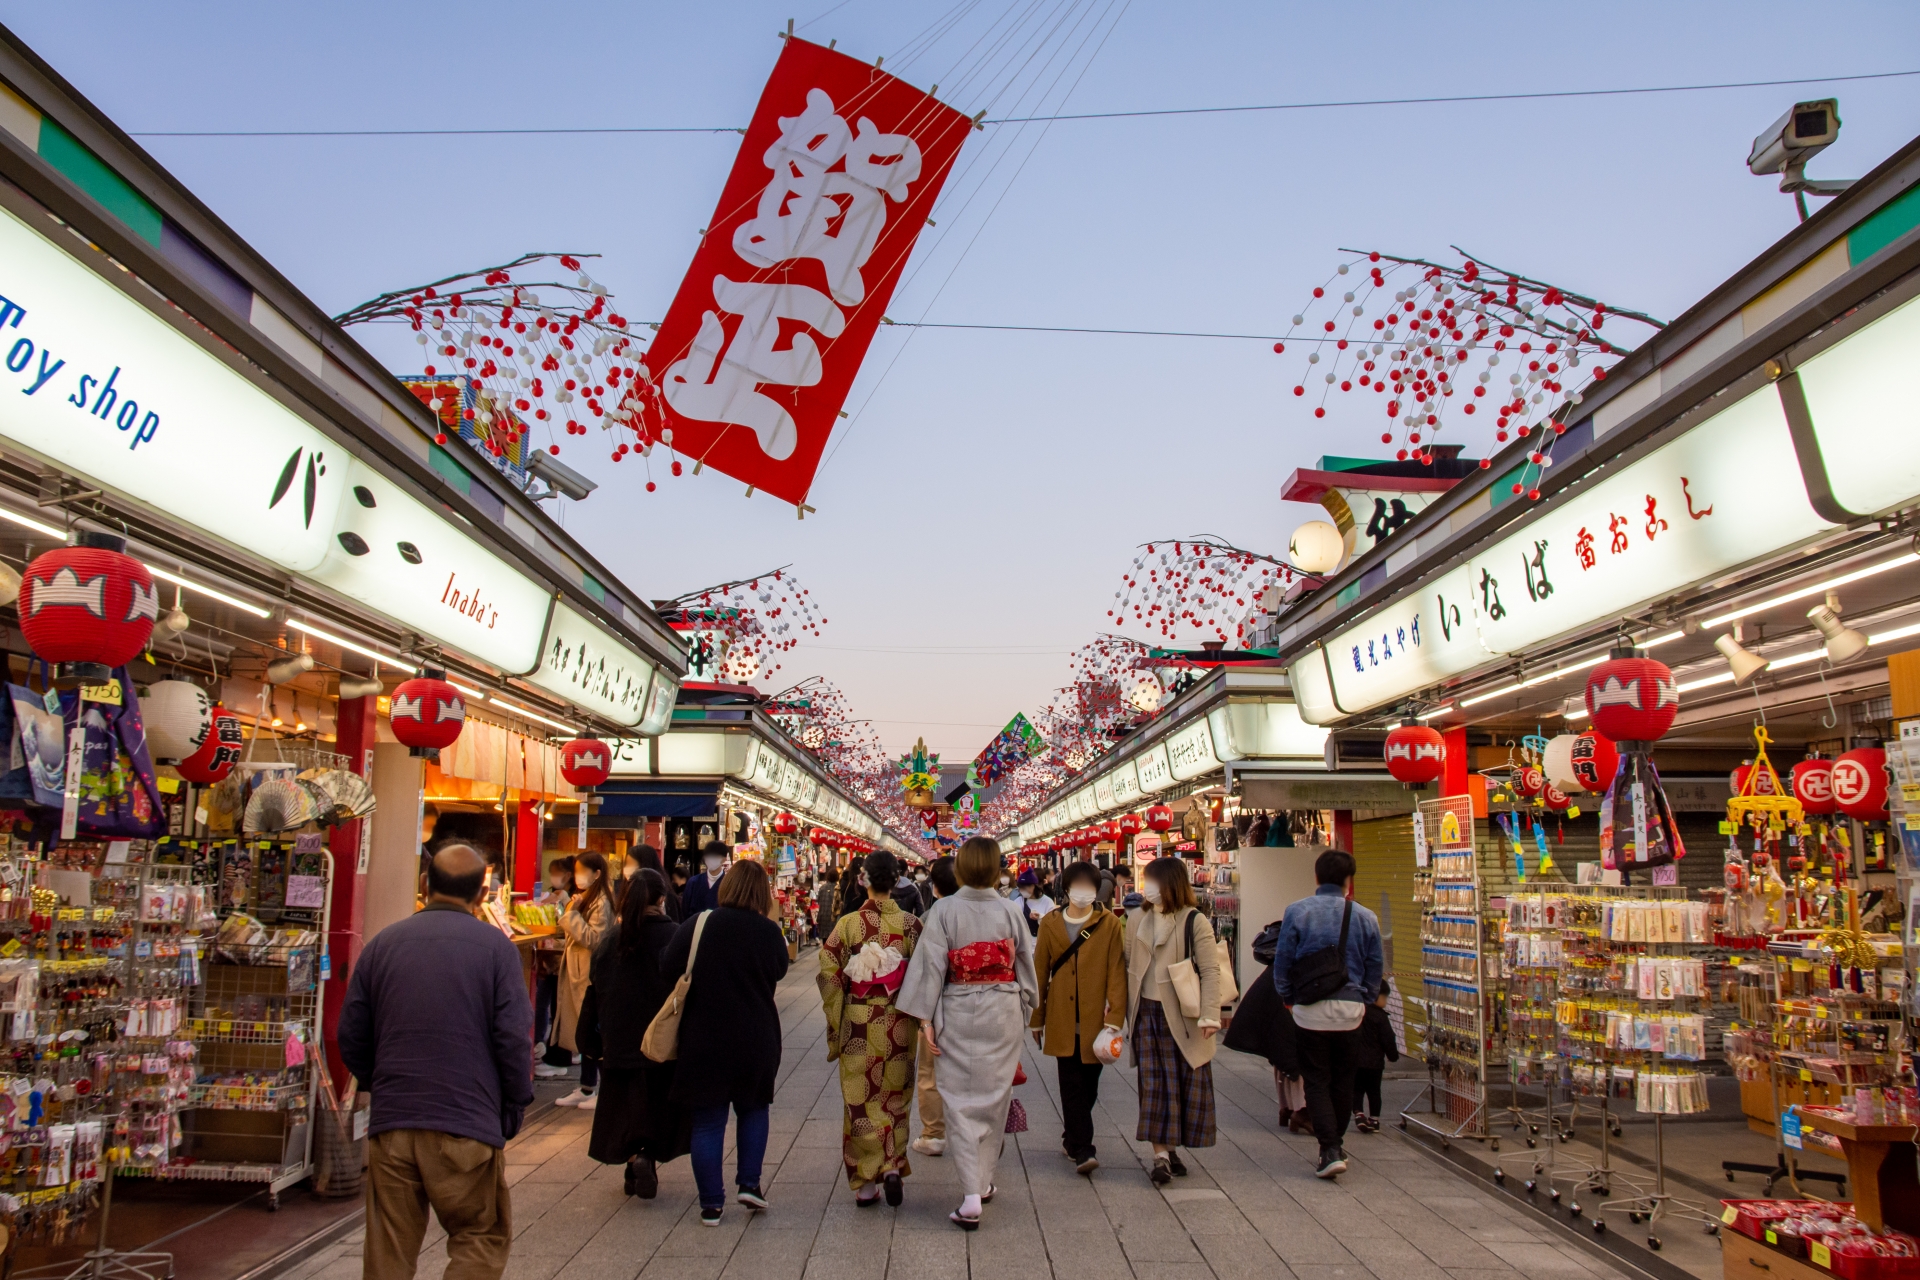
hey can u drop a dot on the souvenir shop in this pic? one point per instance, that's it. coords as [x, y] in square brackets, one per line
[1665, 724]
[264, 636]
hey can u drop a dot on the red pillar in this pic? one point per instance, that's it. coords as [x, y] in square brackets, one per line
[1343, 829]
[526, 845]
[356, 734]
[1453, 781]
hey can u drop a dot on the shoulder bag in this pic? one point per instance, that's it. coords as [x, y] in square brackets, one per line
[1322, 975]
[662, 1040]
[1186, 979]
[1060, 961]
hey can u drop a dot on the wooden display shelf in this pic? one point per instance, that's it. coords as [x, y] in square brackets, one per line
[1744, 1258]
[1881, 1170]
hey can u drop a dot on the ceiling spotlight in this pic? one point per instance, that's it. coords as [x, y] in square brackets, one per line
[1745, 665]
[289, 668]
[1843, 642]
[359, 687]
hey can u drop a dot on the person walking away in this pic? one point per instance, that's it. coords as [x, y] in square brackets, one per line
[437, 1021]
[646, 857]
[862, 966]
[1327, 965]
[907, 897]
[1377, 1047]
[826, 897]
[729, 1049]
[1032, 900]
[699, 895]
[1264, 1027]
[635, 1122]
[971, 985]
[1172, 1047]
[584, 924]
[547, 953]
[853, 891]
[1080, 962]
[926, 1094]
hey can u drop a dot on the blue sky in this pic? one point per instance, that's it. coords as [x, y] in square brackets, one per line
[976, 514]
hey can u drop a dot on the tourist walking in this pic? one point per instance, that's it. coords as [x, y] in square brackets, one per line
[1080, 962]
[862, 964]
[699, 893]
[971, 984]
[584, 923]
[1327, 965]
[926, 1094]
[729, 1047]
[648, 857]
[1263, 1026]
[1170, 946]
[437, 1024]
[1375, 1047]
[635, 1122]
[1032, 900]
[826, 902]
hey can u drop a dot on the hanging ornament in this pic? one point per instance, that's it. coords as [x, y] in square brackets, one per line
[1557, 762]
[1595, 760]
[178, 716]
[1632, 698]
[1556, 800]
[90, 604]
[586, 762]
[1160, 818]
[1529, 781]
[218, 752]
[1860, 784]
[1416, 754]
[1813, 786]
[426, 713]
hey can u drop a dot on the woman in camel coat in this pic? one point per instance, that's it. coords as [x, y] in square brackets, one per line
[1173, 1051]
[585, 923]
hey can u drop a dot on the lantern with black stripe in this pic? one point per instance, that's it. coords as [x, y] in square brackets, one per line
[1632, 700]
[426, 713]
[90, 605]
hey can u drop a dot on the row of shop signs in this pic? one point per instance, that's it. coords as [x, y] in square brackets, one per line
[749, 759]
[115, 393]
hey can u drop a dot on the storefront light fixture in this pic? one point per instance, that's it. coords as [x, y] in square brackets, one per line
[35, 525]
[518, 710]
[1817, 590]
[1449, 709]
[209, 592]
[1718, 677]
[353, 645]
[1843, 641]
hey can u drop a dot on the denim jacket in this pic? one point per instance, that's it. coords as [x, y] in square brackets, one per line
[1313, 924]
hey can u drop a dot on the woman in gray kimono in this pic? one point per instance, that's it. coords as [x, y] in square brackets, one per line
[971, 984]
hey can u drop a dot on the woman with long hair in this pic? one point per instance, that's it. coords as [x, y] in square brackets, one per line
[1172, 1048]
[729, 1032]
[649, 859]
[862, 964]
[971, 985]
[635, 1121]
[584, 923]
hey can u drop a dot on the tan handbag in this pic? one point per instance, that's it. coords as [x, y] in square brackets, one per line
[662, 1041]
[1186, 979]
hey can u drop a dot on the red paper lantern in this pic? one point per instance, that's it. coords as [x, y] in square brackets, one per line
[1529, 781]
[1416, 754]
[219, 753]
[1595, 761]
[88, 603]
[1763, 785]
[426, 713]
[584, 762]
[813, 835]
[1556, 800]
[1160, 818]
[1632, 699]
[1109, 830]
[1132, 824]
[785, 824]
[1860, 784]
[1813, 787]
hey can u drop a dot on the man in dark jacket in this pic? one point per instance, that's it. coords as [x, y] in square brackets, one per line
[698, 895]
[438, 1026]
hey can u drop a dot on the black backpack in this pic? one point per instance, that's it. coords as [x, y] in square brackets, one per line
[1321, 976]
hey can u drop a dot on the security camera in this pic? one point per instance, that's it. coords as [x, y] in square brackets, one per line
[1807, 129]
[561, 479]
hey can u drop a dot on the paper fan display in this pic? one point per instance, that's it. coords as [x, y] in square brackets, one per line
[279, 804]
[348, 795]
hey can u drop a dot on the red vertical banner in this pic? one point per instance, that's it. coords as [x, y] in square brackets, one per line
[755, 357]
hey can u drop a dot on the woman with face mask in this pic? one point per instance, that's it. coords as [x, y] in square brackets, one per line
[584, 923]
[1080, 962]
[1172, 1048]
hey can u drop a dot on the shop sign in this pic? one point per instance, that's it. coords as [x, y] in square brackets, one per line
[1414, 642]
[1190, 752]
[1862, 412]
[1086, 804]
[631, 757]
[1271, 730]
[767, 768]
[690, 754]
[1146, 845]
[660, 699]
[1154, 769]
[1103, 794]
[1125, 784]
[580, 662]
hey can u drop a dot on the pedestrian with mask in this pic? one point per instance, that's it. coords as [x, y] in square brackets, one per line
[1032, 901]
[862, 966]
[1080, 962]
[635, 1122]
[1327, 966]
[547, 955]
[699, 895]
[584, 923]
[933, 1117]
[1173, 1047]
[971, 985]
[646, 857]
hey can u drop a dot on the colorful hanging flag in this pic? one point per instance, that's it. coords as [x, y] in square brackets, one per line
[1012, 747]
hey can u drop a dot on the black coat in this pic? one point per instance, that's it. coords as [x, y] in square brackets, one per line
[906, 896]
[1377, 1047]
[1263, 1027]
[629, 989]
[730, 1030]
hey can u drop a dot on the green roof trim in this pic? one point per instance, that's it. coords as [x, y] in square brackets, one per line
[590, 585]
[86, 170]
[1884, 226]
[449, 469]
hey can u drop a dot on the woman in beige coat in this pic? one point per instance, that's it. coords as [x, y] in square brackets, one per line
[1172, 1048]
[584, 923]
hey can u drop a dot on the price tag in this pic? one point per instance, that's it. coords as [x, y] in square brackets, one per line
[1821, 1255]
[1728, 1214]
[1573, 811]
[1771, 1237]
[167, 785]
[1806, 1075]
[1727, 828]
[108, 693]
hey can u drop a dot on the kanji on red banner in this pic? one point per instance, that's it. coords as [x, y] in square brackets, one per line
[840, 167]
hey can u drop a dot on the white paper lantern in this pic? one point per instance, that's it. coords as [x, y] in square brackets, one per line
[1557, 764]
[1316, 547]
[178, 716]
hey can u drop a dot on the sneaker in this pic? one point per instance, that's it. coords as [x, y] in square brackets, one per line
[1333, 1163]
[710, 1217]
[1367, 1124]
[1086, 1167]
[1173, 1163]
[930, 1146]
[579, 1097]
[752, 1197]
[590, 1103]
[1161, 1174]
[541, 1071]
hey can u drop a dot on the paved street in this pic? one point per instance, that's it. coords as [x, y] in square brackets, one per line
[1251, 1207]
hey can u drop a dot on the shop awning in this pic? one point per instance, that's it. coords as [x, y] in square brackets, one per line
[659, 799]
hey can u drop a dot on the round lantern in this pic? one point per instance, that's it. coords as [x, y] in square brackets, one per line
[1812, 782]
[1316, 547]
[585, 762]
[1762, 785]
[1595, 761]
[220, 751]
[90, 604]
[1529, 781]
[1556, 800]
[1557, 763]
[813, 835]
[1160, 818]
[426, 713]
[1416, 754]
[178, 716]
[1132, 824]
[1109, 830]
[785, 824]
[1860, 784]
[1632, 699]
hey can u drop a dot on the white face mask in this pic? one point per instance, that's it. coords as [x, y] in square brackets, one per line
[1151, 892]
[715, 862]
[1081, 895]
[1004, 882]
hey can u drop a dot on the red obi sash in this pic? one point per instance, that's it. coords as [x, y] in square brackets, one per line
[980, 963]
[886, 985]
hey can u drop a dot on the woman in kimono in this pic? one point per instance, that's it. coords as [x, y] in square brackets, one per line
[871, 1039]
[971, 984]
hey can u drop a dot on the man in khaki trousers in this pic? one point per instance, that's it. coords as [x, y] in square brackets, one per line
[438, 1025]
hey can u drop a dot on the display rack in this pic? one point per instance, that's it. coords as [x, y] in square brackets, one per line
[1454, 970]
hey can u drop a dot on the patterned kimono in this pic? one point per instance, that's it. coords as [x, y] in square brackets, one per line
[873, 1042]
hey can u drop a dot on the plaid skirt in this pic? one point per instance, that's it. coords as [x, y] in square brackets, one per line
[1176, 1100]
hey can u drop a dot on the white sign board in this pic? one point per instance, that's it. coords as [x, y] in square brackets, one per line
[580, 662]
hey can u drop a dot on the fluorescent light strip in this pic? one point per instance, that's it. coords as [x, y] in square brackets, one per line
[33, 524]
[1794, 660]
[1724, 677]
[473, 695]
[1898, 633]
[1658, 640]
[1580, 714]
[1435, 715]
[1821, 589]
[354, 645]
[209, 592]
[533, 715]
